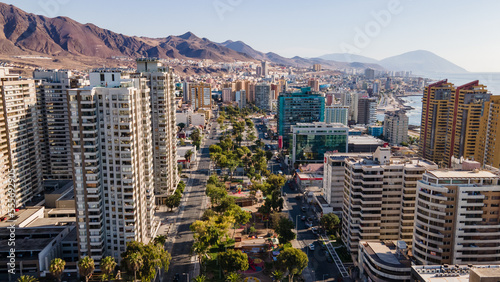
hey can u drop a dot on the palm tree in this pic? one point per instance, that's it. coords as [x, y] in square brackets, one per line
[56, 268]
[188, 155]
[134, 262]
[233, 277]
[86, 267]
[27, 278]
[160, 239]
[108, 265]
[200, 278]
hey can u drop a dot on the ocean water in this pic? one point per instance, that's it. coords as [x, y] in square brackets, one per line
[415, 115]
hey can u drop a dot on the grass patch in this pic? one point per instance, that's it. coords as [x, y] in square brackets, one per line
[343, 254]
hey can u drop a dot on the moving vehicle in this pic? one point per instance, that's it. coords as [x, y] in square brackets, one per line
[311, 247]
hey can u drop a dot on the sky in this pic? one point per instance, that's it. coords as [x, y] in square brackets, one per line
[463, 32]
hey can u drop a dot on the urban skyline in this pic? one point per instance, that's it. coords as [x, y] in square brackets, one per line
[369, 28]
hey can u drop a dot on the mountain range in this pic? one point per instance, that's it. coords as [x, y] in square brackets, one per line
[60, 38]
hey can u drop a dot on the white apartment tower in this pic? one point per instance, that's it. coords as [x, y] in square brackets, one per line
[396, 127]
[263, 97]
[457, 220]
[337, 113]
[52, 102]
[163, 108]
[19, 143]
[113, 163]
[379, 197]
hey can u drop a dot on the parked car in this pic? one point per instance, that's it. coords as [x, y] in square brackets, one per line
[311, 247]
[303, 209]
[314, 230]
[309, 224]
[303, 218]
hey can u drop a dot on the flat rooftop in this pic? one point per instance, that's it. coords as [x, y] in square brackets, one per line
[440, 273]
[386, 253]
[364, 140]
[462, 174]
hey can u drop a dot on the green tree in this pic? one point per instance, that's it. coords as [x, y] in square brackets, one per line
[233, 277]
[134, 262]
[284, 230]
[233, 260]
[278, 275]
[108, 265]
[215, 193]
[181, 125]
[86, 267]
[293, 260]
[153, 257]
[56, 268]
[173, 201]
[232, 165]
[240, 217]
[329, 222]
[160, 240]
[188, 155]
[200, 278]
[27, 278]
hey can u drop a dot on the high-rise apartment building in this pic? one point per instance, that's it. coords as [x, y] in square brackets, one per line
[160, 80]
[336, 113]
[379, 197]
[226, 95]
[316, 67]
[20, 162]
[52, 105]
[112, 151]
[369, 73]
[457, 218]
[396, 127]
[294, 107]
[241, 98]
[367, 110]
[314, 84]
[265, 68]
[200, 96]
[263, 98]
[465, 106]
[451, 120]
[488, 145]
[435, 120]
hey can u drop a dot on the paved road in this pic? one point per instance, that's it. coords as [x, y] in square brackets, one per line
[193, 204]
[319, 266]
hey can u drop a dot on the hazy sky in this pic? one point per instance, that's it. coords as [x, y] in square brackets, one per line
[464, 32]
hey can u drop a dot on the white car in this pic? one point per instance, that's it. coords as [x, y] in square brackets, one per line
[311, 247]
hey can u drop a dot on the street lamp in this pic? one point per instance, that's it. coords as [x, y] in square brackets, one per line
[324, 277]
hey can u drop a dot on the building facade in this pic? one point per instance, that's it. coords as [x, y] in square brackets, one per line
[367, 111]
[263, 98]
[336, 113]
[396, 127]
[298, 107]
[488, 148]
[112, 163]
[379, 197]
[311, 141]
[20, 162]
[160, 80]
[457, 218]
[200, 96]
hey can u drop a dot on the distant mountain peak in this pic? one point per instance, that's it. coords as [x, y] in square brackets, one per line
[188, 35]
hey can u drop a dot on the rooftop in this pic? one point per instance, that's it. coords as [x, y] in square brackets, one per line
[457, 273]
[442, 173]
[364, 140]
[386, 253]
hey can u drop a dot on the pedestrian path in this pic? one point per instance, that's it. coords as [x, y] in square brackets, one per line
[336, 259]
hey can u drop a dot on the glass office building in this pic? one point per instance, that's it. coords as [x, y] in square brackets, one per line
[312, 140]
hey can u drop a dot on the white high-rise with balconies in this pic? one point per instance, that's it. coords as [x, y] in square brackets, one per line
[20, 163]
[379, 197]
[163, 109]
[113, 163]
